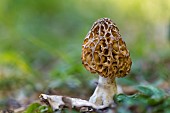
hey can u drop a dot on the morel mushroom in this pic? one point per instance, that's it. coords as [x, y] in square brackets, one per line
[104, 52]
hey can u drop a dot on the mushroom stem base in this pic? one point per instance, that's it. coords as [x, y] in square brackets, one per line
[104, 92]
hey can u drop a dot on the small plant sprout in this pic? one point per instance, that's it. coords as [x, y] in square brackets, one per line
[104, 52]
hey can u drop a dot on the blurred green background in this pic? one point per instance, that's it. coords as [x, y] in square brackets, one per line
[40, 46]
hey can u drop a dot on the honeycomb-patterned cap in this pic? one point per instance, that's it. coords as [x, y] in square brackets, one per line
[104, 51]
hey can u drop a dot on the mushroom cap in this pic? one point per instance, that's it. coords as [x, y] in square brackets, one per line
[104, 51]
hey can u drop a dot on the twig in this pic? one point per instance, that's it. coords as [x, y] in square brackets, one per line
[60, 102]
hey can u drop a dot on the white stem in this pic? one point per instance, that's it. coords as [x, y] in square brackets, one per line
[104, 92]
